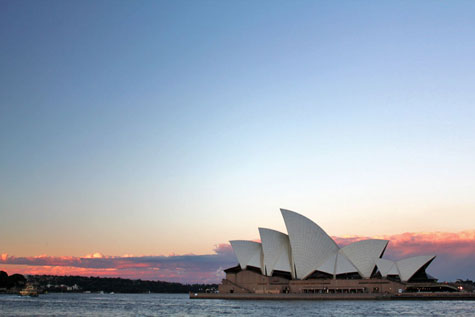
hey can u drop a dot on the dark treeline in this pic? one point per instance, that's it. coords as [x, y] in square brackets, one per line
[117, 285]
[12, 281]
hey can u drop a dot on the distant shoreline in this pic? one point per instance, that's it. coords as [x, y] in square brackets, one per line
[81, 284]
[14, 283]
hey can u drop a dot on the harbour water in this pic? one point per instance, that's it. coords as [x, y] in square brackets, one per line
[181, 305]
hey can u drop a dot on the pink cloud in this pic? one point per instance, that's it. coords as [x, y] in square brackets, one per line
[408, 244]
[223, 248]
[455, 251]
[455, 259]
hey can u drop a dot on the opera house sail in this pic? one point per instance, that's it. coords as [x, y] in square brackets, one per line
[307, 260]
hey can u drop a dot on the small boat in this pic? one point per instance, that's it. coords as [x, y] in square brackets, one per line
[29, 290]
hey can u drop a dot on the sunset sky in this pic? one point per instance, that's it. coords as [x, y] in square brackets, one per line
[138, 137]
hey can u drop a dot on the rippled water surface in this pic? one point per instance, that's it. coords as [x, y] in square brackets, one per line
[180, 305]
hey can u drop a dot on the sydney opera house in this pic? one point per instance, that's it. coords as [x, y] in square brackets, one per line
[308, 260]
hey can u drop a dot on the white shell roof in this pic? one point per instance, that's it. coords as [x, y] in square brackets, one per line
[337, 263]
[328, 266]
[363, 254]
[308, 248]
[310, 245]
[248, 253]
[408, 267]
[276, 248]
[343, 265]
[387, 267]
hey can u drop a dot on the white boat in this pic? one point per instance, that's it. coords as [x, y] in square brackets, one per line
[29, 290]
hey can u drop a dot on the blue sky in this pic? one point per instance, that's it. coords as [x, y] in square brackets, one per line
[154, 127]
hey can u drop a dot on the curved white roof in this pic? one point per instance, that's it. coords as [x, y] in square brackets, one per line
[310, 245]
[337, 263]
[363, 254]
[276, 248]
[248, 253]
[408, 267]
[343, 265]
[328, 266]
[308, 248]
[387, 267]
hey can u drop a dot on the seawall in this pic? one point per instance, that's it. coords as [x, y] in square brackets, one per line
[368, 296]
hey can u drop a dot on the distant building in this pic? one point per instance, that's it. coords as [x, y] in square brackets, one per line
[308, 260]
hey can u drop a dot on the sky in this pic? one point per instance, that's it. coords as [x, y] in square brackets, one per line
[160, 130]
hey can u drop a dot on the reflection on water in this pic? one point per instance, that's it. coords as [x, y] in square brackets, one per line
[180, 305]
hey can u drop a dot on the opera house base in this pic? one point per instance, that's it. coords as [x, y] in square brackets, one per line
[404, 296]
[307, 263]
[251, 285]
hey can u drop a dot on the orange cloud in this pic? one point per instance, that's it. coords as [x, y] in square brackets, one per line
[177, 268]
[455, 259]
[406, 244]
[95, 255]
[455, 251]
